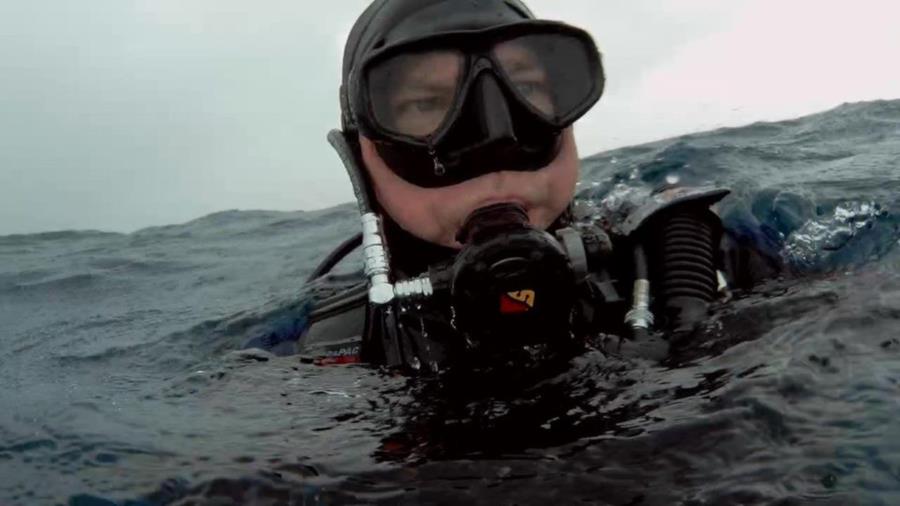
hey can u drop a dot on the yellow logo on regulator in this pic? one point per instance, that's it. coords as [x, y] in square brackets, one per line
[524, 296]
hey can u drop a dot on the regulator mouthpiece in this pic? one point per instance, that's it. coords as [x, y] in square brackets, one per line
[482, 222]
[512, 284]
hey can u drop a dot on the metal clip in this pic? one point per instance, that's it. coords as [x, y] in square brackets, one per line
[439, 169]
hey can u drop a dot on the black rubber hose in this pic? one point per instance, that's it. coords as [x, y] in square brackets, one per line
[640, 333]
[640, 263]
[338, 141]
[643, 344]
[344, 249]
[688, 272]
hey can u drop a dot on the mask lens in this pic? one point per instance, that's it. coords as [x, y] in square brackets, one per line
[556, 74]
[413, 93]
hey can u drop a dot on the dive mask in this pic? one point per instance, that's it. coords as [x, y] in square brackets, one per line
[449, 107]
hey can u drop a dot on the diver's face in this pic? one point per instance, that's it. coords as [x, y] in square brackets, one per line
[436, 214]
[419, 93]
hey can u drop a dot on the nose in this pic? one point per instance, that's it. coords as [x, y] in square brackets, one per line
[495, 119]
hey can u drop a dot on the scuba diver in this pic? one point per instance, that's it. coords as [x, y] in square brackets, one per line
[457, 133]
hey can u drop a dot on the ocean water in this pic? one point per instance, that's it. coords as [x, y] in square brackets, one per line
[124, 382]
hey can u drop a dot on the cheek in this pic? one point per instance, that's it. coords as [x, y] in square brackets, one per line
[557, 185]
[418, 211]
[423, 212]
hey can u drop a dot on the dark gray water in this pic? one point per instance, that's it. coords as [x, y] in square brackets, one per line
[123, 382]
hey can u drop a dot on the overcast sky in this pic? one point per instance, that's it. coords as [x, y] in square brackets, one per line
[120, 114]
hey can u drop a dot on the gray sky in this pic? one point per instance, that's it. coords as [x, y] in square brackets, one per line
[120, 114]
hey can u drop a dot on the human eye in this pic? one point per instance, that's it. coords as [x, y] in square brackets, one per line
[421, 113]
[536, 91]
[529, 88]
[422, 105]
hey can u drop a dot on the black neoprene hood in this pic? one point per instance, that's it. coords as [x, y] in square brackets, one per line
[387, 23]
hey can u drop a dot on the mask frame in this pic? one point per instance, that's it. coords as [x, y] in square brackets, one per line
[439, 159]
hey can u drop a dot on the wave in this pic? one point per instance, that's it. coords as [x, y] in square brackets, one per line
[118, 352]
